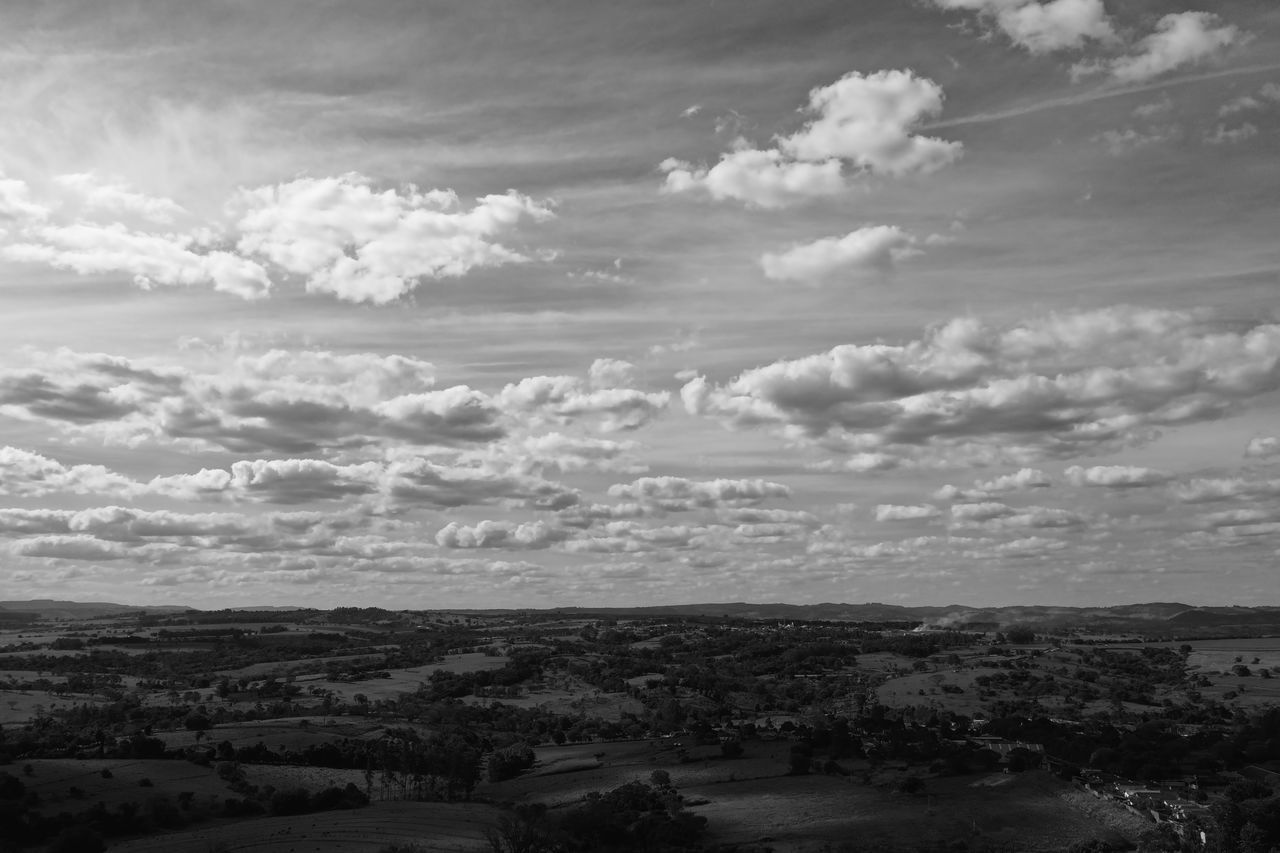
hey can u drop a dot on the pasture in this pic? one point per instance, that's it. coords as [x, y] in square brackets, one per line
[53, 779]
[804, 814]
[443, 827]
[406, 679]
[18, 706]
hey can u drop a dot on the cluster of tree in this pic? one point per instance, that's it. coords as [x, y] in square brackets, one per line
[24, 821]
[634, 816]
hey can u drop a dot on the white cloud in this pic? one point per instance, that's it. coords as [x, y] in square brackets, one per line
[1022, 479]
[151, 259]
[16, 203]
[1154, 109]
[339, 234]
[30, 474]
[300, 402]
[865, 121]
[869, 120]
[119, 198]
[1209, 489]
[494, 534]
[1121, 142]
[568, 398]
[764, 179]
[68, 548]
[978, 512]
[281, 481]
[897, 512]
[1262, 447]
[361, 245]
[877, 247]
[1058, 386]
[1223, 135]
[1244, 103]
[678, 493]
[1183, 38]
[1116, 476]
[1043, 27]
[611, 373]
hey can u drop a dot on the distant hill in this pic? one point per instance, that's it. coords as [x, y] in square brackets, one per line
[1163, 615]
[48, 608]
[1170, 615]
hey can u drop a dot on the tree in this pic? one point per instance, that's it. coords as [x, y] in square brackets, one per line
[731, 749]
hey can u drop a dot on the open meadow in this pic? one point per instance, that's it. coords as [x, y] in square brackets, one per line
[443, 827]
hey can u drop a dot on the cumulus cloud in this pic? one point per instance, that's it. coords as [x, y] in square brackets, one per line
[567, 398]
[678, 493]
[304, 402]
[1022, 479]
[1116, 476]
[16, 204]
[1050, 387]
[1209, 489]
[1223, 135]
[68, 547]
[898, 512]
[869, 120]
[1262, 447]
[866, 123]
[1043, 27]
[339, 234]
[764, 179]
[495, 534]
[282, 481]
[1180, 39]
[1121, 142]
[418, 481]
[150, 259]
[875, 247]
[361, 245]
[115, 196]
[239, 409]
[984, 511]
[34, 521]
[30, 474]
[555, 451]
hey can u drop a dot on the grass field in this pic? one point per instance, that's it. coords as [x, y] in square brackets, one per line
[18, 706]
[571, 696]
[52, 779]
[443, 827]
[284, 732]
[802, 814]
[405, 680]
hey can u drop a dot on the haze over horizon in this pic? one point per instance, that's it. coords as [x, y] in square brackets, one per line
[429, 305]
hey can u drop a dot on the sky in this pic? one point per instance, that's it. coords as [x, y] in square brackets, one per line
[423, 304]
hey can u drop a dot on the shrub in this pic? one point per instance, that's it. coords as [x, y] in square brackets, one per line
[77, 839]
[293, 801]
